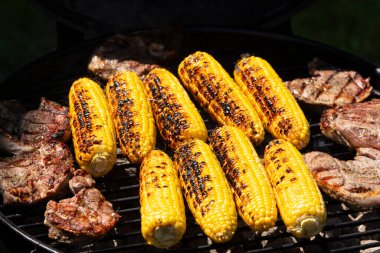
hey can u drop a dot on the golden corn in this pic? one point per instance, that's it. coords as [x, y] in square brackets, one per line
[176, 116]
[276, 106]
[163, 220]
[246, 176]
[132, 114]
[219, 95]
[206, 190]
[298, 198]
[92, 128]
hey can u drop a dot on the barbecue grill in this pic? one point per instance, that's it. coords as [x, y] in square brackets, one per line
[51, 76]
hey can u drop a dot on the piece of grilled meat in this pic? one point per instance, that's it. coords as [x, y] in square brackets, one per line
[38, 172]
[81, 180]
[355, 125]
[355, 182]
[83, 218]
[138, 52]
[329, 86]
[10, 145]
[49, 122]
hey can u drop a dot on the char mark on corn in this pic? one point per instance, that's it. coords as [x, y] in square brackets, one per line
[206, 190]
[246, 176]
[298, 197]
[163, 219]
[176, 116]
[275, 105]
[92, 128]
[132, 114]
[219, 95]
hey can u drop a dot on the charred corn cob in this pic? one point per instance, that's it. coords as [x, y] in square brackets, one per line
[206, 190]
[176, 116]
[132, 114]
[219, 95]
[163, 220]
[276, 106]
[246, 176]
[298, 198]
[92, 128]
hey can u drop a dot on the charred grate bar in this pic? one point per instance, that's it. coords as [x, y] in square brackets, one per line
[346, 230]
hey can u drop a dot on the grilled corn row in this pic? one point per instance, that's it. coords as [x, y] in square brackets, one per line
[132, 114]
[276, 106]
[176, 116]
[206, 190]
[163, 220]
[92, 128]
[246, 176]
[219, 95]
[298, 198]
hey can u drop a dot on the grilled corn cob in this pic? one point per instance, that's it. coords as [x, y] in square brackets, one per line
[206, 190]
[132, 114]
[92, 128]
[219, 95]
[176, 116]
[246, 176]
[276, 106]
[298, 198]
[163, 220]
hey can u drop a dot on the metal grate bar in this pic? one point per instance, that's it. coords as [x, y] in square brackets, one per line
[35, 224]
[356, 247]
[133, 209]
[119, 248]
[124, 199]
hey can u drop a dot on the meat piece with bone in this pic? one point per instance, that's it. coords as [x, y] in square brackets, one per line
[85, 217]
[38, 172]
[330, 86]
[354, 182]
[138, 52]
[356, 125]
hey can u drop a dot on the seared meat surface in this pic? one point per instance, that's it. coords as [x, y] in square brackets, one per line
[49, 121]
[330, 86]
[82, 218]
[37, 173]
[10, 145]
[356, 125]
[355, 182]
[81, 180]
[138, 52]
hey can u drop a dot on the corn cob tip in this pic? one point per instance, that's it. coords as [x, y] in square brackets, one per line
[223, 237]
[99, 165]
[166, 235]
[308, 226]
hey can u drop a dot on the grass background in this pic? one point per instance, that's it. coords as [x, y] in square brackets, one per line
[26, 33]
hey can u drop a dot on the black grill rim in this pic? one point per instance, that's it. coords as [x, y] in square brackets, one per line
[364, 64]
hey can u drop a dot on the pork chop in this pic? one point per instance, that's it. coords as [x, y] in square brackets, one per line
[138, 52]
[37, 173]
[330, 86]
[354, 182]
[85, 217]
[49, 122]
[356, 125]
